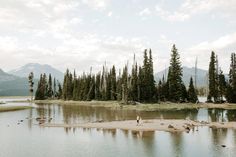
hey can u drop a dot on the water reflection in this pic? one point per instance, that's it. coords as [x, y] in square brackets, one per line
[70, 114]
[29, 139]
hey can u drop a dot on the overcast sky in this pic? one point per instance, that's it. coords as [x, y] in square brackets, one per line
[81, 33]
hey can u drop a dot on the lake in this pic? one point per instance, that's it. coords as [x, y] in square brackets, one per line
[27, 138]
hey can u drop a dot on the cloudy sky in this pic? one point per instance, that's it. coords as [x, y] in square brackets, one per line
[81, 33]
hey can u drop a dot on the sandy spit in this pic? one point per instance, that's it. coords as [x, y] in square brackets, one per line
[148, 125]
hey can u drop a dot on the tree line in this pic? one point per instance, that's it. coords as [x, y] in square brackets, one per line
[48, 89]
[219, 86]
[140, 85]
[136, 86]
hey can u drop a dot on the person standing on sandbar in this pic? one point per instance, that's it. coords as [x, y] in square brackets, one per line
[138, 118]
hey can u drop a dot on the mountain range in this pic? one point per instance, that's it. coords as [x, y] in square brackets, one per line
[6, 77]
[187, 73]
[11, 85]
[15, 82]
[37, 69]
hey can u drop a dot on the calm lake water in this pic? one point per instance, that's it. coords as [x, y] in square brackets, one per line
[27, 138]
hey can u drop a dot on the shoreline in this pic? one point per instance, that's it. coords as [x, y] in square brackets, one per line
[148, 125]
[139, 107]
[13, 108]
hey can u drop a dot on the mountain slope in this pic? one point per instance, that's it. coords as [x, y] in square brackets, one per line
[37, 69]
[187, 73]
[16, 83]
[11, 85]
[6, 77]
[17, 87]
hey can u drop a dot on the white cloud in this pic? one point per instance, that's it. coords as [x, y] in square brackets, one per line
[75, 51]
[145, 12]
[76, 20]
[164, 41]
[8, 44]
[63, 7]
[33, 4]
[223, 47]
[175, 16]
[110, 14]
[219, 44]
[8, 16]
[97, 4]
[67, 33]
[193, 7]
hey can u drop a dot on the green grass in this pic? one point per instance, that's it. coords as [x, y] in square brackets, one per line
[13, 108]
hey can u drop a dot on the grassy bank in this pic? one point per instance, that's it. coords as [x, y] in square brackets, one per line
[13, 108]
[140, 106]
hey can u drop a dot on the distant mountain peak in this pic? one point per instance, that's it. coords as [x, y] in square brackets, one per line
[1, 71]
[37, 69]
[187, 73]
[6, 77]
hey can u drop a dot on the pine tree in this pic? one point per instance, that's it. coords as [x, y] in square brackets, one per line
[59, 91]
[54, 88]
[184, 93]
[145, 82]
[192, 95]
[44, 87]
[50, 91]
[124, 85]
[231, 86]
[162, 90]
[65, 86]
[38, 93]
[213, 79]
[134, 81]
[229, 93]
[140, 84]
[104, 83]
[151, 81]
[159, 91]
[42, 90]
[146, 90]
[90, 94]
[75, 89]
[108, 86]
[175, 77]
[31, 84]
[79, 86]
[113, 83]
[68, 86]
[98, 95]
[119, 87]
[222, 86]
[165, 89]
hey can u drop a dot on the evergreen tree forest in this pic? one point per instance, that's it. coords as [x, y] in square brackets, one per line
[137, 83]
[45, 89]
[231, 83]
[220, 87]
